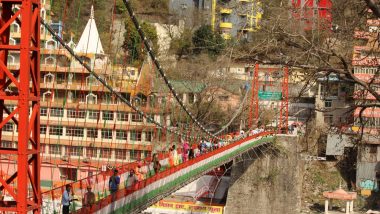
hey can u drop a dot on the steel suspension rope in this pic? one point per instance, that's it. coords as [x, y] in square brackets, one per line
[103, 82]
[235, 114]
[161, 71]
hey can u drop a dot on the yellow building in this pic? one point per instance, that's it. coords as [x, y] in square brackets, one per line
[233, 18]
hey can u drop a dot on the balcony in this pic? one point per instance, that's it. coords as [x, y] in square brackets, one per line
[225, 25]
[225, 11]
[226, 36]
[247, 29]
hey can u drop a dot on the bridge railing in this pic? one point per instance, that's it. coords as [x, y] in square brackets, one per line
[144, 187]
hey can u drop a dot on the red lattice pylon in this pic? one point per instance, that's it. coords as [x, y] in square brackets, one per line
[282, 124]
[27, 197]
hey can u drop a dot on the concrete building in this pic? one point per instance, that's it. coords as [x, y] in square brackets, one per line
[84, 128]
[233, 18]
[192, 12]
[366, 62]
[301, 102]
[333, 102]
[311, 14]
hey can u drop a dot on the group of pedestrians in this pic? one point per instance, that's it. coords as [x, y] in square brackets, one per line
[140, 172]
[68, 197]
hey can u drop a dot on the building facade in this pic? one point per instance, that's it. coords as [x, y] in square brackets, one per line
[333, 102]
[312, 14]
[366, 68]
[234, 18]
[85, 128]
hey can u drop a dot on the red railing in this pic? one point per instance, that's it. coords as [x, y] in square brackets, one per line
[142, 184]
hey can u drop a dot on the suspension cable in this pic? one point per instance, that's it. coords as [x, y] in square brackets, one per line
[161, 71]
[110, 88]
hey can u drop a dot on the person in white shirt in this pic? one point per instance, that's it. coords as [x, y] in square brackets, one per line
[175, 156]
[66, 199]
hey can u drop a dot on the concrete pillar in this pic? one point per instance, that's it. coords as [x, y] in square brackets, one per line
[326, 206]
[352, 206]
[347, 207]
[330, 204]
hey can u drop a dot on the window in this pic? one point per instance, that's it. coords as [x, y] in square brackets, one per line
[328, 103]
[91, 152]
[91, 81]
[47, 96]
[8, 127]
[147, 153]
[43, 111]
[56, 130]
[122, 116]
[74, 131]
[149, 136]
[92, 133]
[107, 115]
[148, 116]
[42, 129]
[135, 154]
[191, 98]
[107, 133]
[137, 117]
[136, 135]
[74, 151]
[7, 144]
[10, 108]
[223, 98]
[121, 134]
[76, 113]
[55, 149]
[373, 149]
[49, 78]
[91, 99]
[42, 148]
[69, 173]
[121, 154]
[94, 115]
[105, 153]
[328, 119]
[108, 99]
[56, 112]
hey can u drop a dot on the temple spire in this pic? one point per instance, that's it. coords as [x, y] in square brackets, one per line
[92, 12]
[89, 42]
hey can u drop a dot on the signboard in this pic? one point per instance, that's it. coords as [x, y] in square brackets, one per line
[268, 95]
[185, 207]
[368, 112]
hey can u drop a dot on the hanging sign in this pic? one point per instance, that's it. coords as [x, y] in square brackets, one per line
[268, 95]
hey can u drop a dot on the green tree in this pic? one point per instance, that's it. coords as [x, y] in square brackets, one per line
[205, 40]
[182, 46]
[133, 44]
[75, 14]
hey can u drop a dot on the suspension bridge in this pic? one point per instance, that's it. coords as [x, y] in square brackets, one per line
[68, 110]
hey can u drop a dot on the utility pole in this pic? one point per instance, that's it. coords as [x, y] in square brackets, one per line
[213, 15]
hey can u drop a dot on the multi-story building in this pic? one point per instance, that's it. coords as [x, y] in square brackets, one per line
[333, 102]
[236, 17]
[366, 68]
[312, 14]
[192, 12]
[83, 126]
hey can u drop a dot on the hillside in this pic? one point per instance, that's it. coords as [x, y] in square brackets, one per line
[74, 15]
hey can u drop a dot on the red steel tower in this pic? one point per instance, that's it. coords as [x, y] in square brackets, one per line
[258, 83]
[25, 82]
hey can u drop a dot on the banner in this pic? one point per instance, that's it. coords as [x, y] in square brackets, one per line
[267, 95]
[186, 208]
